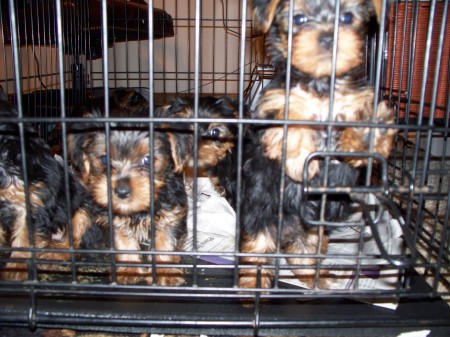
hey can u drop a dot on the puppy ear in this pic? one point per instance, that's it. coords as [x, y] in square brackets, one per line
[77, 157]
[181, 146]
[79, 134]
[179, 134]
[228, 106]
[264, 12]
[378, 4]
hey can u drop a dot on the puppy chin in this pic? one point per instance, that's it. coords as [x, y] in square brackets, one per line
[127, 207]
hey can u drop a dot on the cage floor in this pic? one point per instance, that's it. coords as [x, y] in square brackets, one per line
[184, 315]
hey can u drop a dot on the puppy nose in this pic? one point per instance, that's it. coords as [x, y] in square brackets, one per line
[326, 41]
[122, 189]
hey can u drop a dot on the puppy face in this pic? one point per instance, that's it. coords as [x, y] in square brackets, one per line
[130, 160]
[313, 33]
[130, 164]
[216, 139]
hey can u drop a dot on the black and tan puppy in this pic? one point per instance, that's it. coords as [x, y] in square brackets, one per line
[216, 140]
[311, 72]
[130, 191]
[309, 96]
[44, 223]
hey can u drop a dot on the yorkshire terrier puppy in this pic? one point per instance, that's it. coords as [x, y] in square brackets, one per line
[311, 71]
[216, 140]
[309, 100]
[48, 211]
[139, 205]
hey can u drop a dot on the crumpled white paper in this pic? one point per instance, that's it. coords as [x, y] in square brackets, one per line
[345, 241]
[216, 222]
[216, 228]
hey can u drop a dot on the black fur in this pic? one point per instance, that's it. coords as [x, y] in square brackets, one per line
[46, 183]
[43, 168]
[261, 193]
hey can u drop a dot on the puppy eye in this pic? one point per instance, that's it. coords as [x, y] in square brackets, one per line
[146, 160]
[300, 19]
[215, 133]
[346, 18]
[104, 160]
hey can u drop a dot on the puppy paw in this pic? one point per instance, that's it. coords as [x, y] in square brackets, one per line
[133, 275]
[249, 279]
[169, 277]
[14, 272]
[357, 139]
[325, 281]
[14, 276]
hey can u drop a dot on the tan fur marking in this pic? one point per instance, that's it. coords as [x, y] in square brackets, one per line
[300, 138]
[81, 221]
[124, 240]
[139, 200]
[173, 147]
[165, 241]
[351, 139]
[2, 235]
[348, 106]
[309, 246]
[310, 58]
[378, 5]
[20, 234]
[264, 20]
[261, 244]
[19, 239]
[210, 153]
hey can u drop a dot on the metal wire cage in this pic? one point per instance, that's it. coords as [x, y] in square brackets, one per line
[390, 258]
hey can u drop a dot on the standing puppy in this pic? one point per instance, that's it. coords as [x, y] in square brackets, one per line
[311, 71]
[309, 101]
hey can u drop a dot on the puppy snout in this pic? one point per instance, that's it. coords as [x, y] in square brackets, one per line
[326, 41]
[123, 189]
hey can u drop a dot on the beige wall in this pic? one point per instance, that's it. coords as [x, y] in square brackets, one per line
[173, 57]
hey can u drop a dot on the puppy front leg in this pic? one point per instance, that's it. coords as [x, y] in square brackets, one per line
[170, 233]
[124, 240]
[167, 276]
[259, 243]
[357, 139]
[81, 221]
[17, 271]
[308, 244]
[301, 139]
